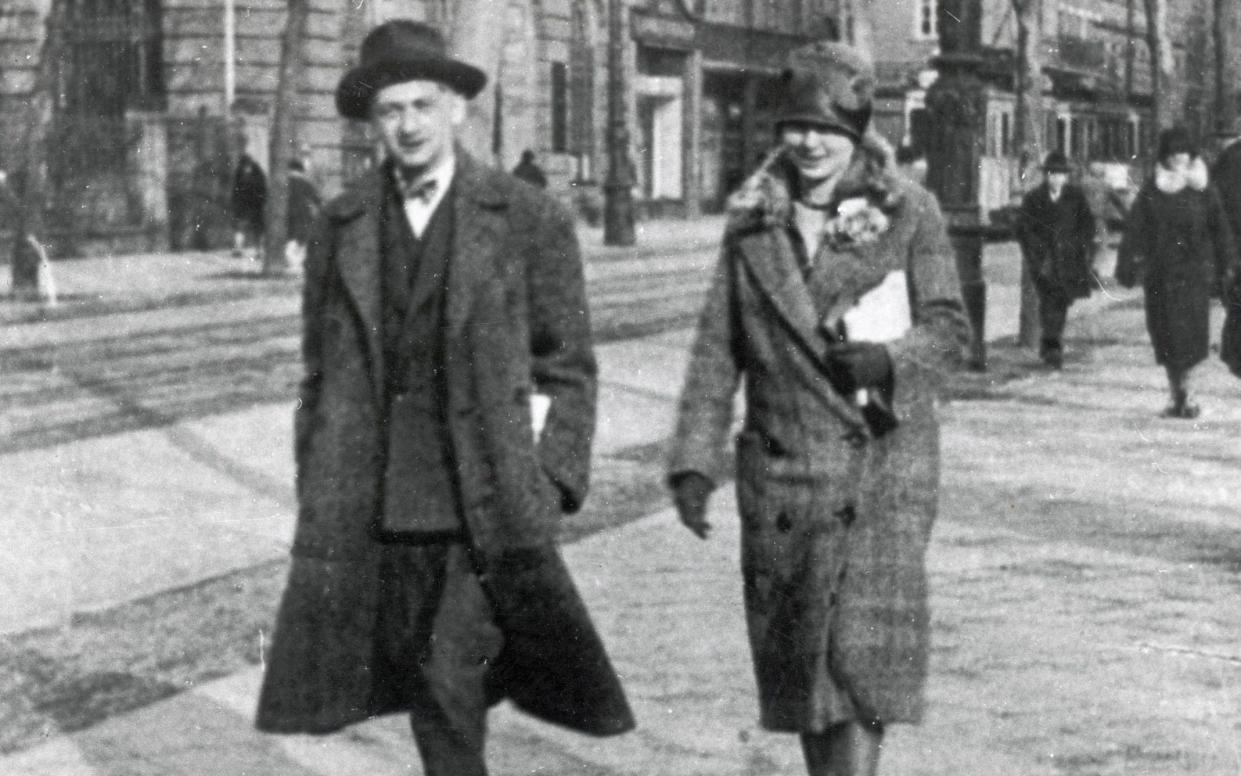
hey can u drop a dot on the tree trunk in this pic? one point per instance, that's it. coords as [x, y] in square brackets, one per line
[31, 194]
[477, 36]
[283, 141]
[1221, 29]
[1029, 128]
[1162, 65]
[864, 27]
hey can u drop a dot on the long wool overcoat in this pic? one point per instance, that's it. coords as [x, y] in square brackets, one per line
[1057, 239]
[1177, 242]
[835, 522]
[515, 322]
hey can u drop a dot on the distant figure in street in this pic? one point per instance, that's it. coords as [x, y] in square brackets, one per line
[1226, 176]
[1105, 204]
[443, 430]
[249, 200]
[1057, 232]
[304, 206]
[836, 296]
[1179, 246]
[529, 171]
[912, 164]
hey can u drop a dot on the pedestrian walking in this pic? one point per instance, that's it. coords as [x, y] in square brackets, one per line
[529, 171]
[1226, 176]
[1057, 231]
[249, 202]
[303, 208]
[836, 498]
[443, 428]
[1178, 245]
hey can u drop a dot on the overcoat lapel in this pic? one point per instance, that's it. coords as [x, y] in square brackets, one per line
[360, 271]
[772, 261]
[478, 226]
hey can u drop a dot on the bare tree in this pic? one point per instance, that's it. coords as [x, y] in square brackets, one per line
[1029, 141]
[31, 190]
[477, 36]
[1162, 64]
[862, 23]
[1222, 18]
[284, 136]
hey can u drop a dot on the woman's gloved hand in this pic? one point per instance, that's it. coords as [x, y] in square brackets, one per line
[690, 491]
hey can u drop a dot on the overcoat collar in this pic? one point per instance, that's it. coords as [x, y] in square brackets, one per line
[478, 208]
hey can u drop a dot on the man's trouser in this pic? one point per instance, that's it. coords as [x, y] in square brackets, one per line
[438, 638]
[1053, 308]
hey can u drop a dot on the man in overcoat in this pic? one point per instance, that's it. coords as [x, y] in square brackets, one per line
[443, 427]
[1057, 232]
[836, 287]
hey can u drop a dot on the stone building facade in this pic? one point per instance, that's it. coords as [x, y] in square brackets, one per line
[1096, 88]
[154, 98]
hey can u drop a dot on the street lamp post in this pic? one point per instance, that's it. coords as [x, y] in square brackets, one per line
[957, 106]
[618, 216]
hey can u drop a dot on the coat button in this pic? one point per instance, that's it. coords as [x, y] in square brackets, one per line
[847, 514]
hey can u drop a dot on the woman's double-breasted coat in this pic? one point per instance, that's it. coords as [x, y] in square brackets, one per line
[1178, 244]
[515, 322]
[835, 521]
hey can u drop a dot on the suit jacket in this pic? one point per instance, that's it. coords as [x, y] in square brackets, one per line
[515, 323]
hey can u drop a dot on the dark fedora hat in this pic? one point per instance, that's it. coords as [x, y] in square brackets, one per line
[403, 50]
[828, 84]
[1056, 161]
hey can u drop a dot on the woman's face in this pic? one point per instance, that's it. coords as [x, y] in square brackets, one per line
[1176, 162]
[818, 153]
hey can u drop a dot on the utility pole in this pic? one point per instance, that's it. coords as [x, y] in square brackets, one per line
[284, 136]
[618, 216]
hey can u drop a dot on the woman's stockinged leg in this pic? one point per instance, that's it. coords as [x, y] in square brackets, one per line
[849, 749]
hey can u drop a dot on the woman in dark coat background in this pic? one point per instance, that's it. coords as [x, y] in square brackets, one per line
[1177, 243]
[1057, 232]
[837, 465]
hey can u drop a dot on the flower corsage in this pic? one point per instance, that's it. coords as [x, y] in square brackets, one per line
[857, 222]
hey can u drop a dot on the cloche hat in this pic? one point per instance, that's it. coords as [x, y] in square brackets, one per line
[403, 50]
[830, 84]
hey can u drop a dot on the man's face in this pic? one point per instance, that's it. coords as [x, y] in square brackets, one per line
[1056, 181]
[817, 152]
[417, 122]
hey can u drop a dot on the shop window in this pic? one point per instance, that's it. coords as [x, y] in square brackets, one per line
[560, 107]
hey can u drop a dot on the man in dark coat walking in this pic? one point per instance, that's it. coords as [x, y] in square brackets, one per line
[1056, 229]
[1226, 175]
[249, 200]
[443, 427]
[529, 171]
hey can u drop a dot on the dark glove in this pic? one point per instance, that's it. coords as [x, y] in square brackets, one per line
[854, 365]
[690, 491]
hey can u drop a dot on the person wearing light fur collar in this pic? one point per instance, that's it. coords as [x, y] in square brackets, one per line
[836, 301]
[1178, 245]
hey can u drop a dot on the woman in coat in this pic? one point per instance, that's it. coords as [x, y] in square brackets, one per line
[1177, 243]
[837, 463]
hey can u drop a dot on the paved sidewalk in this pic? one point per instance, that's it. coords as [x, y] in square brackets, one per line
[1051, 657]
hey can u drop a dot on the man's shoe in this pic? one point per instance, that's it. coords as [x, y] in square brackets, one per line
[1054, 359]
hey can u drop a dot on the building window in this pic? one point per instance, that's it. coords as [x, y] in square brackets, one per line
[925, 23]
[847, 33]
[1006, 134]
[560, 108]
[113, 58]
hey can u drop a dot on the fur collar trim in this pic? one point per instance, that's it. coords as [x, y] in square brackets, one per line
[1195, 177]
[765, 199]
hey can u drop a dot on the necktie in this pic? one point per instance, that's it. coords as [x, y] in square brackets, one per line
[420, 190]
